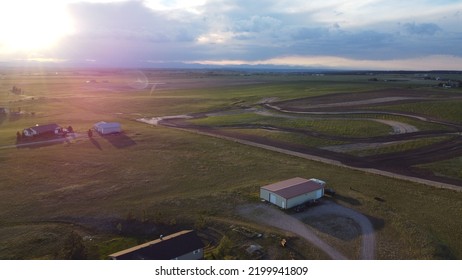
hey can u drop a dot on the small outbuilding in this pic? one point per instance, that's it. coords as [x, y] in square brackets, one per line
[293, 192]
[47, 129]
[183, 245]
[105, 128]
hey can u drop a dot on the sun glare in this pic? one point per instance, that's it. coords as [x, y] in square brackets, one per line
[30, 26]
[188, 5]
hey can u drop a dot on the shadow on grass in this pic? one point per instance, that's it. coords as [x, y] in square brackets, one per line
[96, 143]
[443, 252]
[377, 223]
[347, 199]
[119, 140]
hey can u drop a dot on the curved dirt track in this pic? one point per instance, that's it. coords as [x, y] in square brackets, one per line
[364, 112]
[324, 156]
[399, 164]
[378, 100]
[397, 127]
[269, 215]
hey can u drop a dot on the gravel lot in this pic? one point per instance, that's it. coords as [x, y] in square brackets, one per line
[339, 221]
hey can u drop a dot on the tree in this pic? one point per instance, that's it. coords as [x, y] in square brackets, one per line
[223, 250]
[73, 248]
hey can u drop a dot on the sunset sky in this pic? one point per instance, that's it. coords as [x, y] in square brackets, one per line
[363, 34]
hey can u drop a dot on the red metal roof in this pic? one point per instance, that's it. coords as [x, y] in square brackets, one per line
[293, 187]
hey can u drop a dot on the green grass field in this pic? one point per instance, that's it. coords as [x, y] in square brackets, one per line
[348, 128]
[88, 198]
[420, 125]
[449, 168]
[450, 110]
[290, 138]
[401, 147]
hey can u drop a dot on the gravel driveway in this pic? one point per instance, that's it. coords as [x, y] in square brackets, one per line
[266, 214]
[367, 230]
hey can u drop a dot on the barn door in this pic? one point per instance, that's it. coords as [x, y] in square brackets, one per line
[272, 198]
[318, 193]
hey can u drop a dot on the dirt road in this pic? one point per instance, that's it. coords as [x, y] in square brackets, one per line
[266, 214]
[367, 230]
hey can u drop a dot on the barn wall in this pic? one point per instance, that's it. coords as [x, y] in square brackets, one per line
[295, 201]
[292, 202]
[280, 201]
[264, 194]
[108, 130]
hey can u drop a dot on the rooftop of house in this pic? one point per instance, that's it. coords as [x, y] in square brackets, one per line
[44, 128]
[165, 248]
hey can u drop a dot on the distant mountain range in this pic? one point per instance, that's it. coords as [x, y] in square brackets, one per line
[24, 64]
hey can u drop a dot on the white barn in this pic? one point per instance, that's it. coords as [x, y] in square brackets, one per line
[293, 192]
[107, 128]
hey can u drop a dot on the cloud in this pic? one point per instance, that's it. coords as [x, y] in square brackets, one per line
[127, 33]
[127, 20]
[422, 28]
[257, 24]
[131, 32]
[305, 33]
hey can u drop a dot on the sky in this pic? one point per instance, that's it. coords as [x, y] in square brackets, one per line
[334, 34]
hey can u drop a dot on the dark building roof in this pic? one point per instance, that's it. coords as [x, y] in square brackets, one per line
[294, 187]
[45, 128]
[167, 248]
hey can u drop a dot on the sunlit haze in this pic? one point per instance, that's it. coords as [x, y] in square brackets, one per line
[28, 27]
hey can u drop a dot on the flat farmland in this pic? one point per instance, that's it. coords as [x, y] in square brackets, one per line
[86, 198]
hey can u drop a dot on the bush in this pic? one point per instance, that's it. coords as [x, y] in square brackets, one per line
[73, 248]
